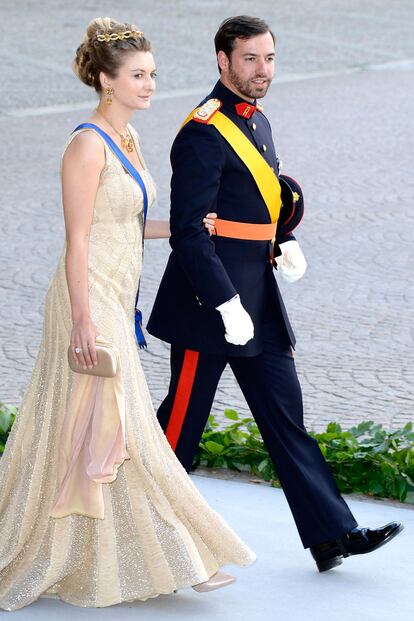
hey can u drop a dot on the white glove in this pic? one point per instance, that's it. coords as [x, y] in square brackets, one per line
[291, 263]
[237, 321]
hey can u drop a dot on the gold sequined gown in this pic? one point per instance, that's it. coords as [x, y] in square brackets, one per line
[95, 508]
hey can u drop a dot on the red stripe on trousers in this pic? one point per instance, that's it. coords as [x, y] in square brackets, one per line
[182, 397]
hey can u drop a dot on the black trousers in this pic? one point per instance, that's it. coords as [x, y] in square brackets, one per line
[271, 388]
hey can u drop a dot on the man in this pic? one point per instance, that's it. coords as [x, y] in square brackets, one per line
[218, 301]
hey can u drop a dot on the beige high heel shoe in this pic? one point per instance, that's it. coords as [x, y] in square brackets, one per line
[218, 580]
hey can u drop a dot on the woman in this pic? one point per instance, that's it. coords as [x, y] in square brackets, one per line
[95, 509]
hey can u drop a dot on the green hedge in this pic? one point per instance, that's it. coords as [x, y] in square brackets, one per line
[367, 458]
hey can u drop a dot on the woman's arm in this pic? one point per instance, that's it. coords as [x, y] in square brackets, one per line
[82, 165]
[158, 229]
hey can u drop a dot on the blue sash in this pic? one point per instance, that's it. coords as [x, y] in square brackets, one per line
[135, 174]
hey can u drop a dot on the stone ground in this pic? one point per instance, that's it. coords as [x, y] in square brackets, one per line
[341, 110]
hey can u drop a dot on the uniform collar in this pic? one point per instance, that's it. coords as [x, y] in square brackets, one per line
[230, 100]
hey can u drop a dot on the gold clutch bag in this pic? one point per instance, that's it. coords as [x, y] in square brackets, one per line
[107, 360]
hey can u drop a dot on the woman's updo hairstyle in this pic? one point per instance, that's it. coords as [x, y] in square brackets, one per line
[104, 46]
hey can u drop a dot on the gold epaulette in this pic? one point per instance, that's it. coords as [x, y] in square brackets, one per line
[204, 113]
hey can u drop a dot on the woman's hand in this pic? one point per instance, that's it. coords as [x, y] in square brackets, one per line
[209, 221]
[83, 337]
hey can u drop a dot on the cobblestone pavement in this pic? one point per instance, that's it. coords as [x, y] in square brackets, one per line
[341, 110]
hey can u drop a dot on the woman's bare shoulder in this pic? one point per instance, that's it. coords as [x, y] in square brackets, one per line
[86, 147]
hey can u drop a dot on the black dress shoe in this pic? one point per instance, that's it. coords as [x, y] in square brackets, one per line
[357, 541]
[327, 555]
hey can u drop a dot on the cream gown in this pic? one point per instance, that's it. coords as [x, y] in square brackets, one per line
[95, 508]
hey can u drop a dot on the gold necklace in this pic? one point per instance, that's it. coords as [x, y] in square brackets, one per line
[126, 141]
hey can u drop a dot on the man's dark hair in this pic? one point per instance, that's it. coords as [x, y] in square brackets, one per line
[240, 27]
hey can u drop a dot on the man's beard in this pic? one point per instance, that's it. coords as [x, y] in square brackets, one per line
[246, 87]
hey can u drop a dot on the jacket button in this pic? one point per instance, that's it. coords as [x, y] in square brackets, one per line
[264, 148]
[254, 127]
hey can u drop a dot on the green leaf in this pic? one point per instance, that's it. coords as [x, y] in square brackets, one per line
[237, 437]
[333, 428]
[375, 488]
[6, 419]
[214, 447]
[263, 464]
[401, 488]
[231, 414]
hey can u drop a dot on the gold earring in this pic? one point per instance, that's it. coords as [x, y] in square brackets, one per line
[109, 92]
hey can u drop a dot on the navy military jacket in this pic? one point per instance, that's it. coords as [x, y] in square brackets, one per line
[203, 271]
